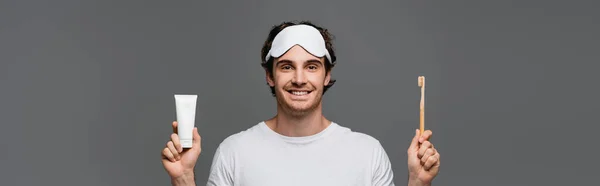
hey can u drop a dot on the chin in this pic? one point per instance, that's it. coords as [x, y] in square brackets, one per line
[297, 108]
[304, 107]
[299, 112]
[300, 109]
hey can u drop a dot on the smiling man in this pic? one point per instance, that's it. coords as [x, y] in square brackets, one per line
[299, 145]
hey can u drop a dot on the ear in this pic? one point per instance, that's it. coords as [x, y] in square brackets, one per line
[327, 78]
[268, 77]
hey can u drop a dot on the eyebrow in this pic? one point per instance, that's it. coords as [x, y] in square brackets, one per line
[307, 61]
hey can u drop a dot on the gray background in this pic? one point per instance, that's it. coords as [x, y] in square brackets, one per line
[87, 86]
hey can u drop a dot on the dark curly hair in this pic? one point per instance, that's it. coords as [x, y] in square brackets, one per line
[328, 37]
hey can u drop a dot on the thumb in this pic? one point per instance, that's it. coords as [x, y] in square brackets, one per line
[196, 138]
[414, 144]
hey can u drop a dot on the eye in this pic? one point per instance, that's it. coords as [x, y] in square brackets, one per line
[313, 67]
[286, 67]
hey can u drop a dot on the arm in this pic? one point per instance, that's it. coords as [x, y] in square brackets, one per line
[382, 173]
[221, 171]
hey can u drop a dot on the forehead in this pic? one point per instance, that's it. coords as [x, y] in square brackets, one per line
[298, 54]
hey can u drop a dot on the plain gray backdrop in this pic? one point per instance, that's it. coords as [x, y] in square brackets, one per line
[87, 86]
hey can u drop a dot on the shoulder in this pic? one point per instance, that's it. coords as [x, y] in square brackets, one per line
[360, 139]
[364, 146]
[240, 139]
[225, 159]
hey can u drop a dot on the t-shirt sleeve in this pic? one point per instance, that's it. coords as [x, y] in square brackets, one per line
[382, 173]
[221, 171]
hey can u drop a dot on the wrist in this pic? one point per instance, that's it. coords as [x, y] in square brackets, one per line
[187, 179]
[416, 182]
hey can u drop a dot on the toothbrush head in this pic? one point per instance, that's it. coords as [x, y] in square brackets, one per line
[421, 81]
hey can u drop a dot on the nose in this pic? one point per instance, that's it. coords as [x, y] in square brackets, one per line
[299, 77]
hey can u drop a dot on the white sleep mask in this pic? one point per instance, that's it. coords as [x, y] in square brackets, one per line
[306, 36]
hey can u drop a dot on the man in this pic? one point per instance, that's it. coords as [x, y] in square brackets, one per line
[299, 146]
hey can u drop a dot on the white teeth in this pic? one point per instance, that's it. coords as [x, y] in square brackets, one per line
[299, 93]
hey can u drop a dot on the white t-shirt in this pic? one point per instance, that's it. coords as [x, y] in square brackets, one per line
[335, 156]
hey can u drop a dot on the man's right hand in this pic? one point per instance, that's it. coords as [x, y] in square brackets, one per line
[180, 162]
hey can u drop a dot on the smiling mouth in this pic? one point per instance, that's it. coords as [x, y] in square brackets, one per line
[299, 92]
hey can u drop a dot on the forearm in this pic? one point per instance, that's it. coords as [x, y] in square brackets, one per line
[185, 180]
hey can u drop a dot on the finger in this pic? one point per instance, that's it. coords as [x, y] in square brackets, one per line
[430, 152]
[426, 136]
[167, 154]
[426, 145]
[196, 139]
[174, 127]
[430, 162]
[414, 144]
[176, 142]
[171, 148]
[436, 165]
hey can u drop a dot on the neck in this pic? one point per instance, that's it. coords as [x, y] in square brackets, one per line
[298, 125]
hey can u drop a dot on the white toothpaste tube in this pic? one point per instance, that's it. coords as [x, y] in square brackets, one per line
[186, 117]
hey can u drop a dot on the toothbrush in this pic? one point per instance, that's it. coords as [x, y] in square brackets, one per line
[422, 118]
